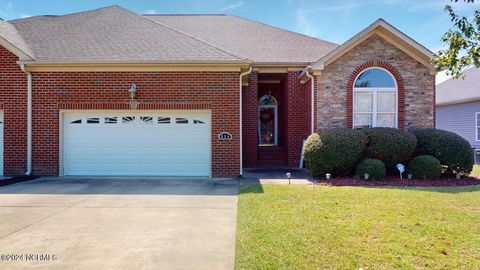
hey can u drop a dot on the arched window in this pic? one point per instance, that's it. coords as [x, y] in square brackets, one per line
[375, 99]
[267, 121]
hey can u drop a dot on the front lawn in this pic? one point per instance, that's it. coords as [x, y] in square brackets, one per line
[306, 227]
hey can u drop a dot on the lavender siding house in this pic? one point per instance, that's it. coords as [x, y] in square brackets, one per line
[458, 108]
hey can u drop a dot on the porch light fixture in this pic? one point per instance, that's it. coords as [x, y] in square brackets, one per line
[132, 90]
[133, 102]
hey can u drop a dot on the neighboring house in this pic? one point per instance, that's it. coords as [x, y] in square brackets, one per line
[458, 107]
[112, 92]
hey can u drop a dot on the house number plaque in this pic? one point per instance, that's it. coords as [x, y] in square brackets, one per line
[224, 136]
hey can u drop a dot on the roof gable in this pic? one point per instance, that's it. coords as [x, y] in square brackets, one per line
[387, 32]
[12, 41]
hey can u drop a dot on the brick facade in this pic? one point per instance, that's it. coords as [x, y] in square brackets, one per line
[333, 84]
[217, 91]
[250, 124]
[156, 90]
[13, 100]
[52, 92]
[298, 117]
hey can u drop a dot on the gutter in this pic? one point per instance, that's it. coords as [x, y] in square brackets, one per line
[29, 119]
[459, 101]
[126, 62]
[241, 116]
[312, 97]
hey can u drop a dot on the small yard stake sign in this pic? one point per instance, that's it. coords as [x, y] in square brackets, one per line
[401, 169]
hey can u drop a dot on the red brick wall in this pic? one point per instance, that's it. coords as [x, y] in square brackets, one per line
[298, 117]
[156, 90]
[13, 101]
[250, 122]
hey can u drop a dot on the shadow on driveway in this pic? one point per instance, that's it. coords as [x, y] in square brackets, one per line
[124, 186]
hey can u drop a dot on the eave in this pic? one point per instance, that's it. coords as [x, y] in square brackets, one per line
[137, 66]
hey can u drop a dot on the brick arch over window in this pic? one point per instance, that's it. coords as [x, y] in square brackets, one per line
[400, 90]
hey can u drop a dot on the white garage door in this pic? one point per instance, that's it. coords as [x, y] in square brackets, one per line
[1, 143]
[163, 143]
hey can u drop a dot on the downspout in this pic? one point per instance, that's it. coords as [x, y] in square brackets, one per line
[29, 119]
[241, 117]
[312, 98]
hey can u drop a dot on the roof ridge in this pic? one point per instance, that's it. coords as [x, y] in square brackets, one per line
[281, 29]
[190, 36]
[186, 14]
[43, 17]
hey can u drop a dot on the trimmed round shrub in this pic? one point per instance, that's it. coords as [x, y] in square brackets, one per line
[425, 166]
[335, 151]
[374, 167]
[454, 152]
[390, 145]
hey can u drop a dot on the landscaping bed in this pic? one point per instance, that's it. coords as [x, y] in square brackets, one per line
[396, 181]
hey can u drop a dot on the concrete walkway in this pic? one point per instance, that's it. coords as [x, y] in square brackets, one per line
[274, 176]
[112, 223]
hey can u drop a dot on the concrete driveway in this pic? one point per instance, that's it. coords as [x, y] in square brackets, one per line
[112, 223]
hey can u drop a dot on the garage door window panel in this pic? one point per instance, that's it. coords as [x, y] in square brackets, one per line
[181, 120]
[163, 120]
[128, 119]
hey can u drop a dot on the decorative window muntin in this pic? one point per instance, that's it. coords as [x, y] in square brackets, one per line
[375, 101]
[267, 121]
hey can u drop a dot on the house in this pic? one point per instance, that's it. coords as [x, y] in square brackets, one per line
[112, 92]
[458, 107]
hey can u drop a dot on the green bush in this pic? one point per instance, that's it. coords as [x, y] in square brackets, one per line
[334, 151]
[374, 167]
[425, 166]
[453, 151]
[390, 145]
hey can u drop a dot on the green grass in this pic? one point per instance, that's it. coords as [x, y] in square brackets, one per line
[306, 227]
[476, 171]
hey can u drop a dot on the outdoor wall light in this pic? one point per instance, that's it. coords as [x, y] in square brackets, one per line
[133, 102]
[133, 90]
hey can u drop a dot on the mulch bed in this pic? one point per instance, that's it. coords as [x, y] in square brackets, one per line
[15, 180]
[396, 181]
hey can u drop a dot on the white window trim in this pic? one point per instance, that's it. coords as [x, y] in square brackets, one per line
[477, 126]
[374, 91]
[275, 121]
